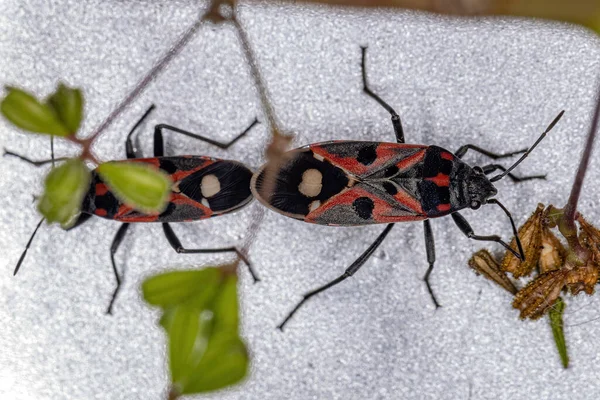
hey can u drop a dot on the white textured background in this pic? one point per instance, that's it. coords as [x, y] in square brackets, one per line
[495, 82]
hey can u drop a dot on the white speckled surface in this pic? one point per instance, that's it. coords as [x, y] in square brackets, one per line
[494, 82]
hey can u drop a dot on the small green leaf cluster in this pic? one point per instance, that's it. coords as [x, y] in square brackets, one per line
[141, 186]
[201, 318]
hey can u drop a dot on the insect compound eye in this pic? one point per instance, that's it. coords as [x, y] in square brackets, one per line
[478, 170]
[475, 204]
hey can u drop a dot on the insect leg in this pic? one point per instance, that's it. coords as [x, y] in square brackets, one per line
[488, 169]
[430, 248]
[33, 162]
[395, 117]
[159, 145]
[27, 246]
[129, 149]
[462, 150]
[348, 273]
[176, 244]
[113, 249]
[464, 226]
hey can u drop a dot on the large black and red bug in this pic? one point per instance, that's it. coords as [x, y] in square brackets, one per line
[347, 183]
[203, 187]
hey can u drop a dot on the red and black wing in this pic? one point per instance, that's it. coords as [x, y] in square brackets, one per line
[345, 183]
[203, 187]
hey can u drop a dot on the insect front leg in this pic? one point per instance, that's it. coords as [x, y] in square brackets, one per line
[462, 150]
[464, 226]
[113, 249]
[177, 246]
[395, 117]
[351, 270]
[159, 142]
[430, 249]
[129, 149]
[488, 169]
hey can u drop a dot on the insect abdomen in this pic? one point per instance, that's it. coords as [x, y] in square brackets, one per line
[203, 187]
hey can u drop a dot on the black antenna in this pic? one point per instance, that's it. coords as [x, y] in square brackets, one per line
[494, 201]
[27, 246]
[543, 135]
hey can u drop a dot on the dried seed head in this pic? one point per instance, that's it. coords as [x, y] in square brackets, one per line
[590, 236]
[484, 264]
[531, 237]
[540, 294]
[552, 255]
[582, 279]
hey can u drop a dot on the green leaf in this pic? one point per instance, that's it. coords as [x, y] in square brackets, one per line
[193, 288]
[65, 187]
[225, 306]
[201, 321]
[188, 332]
[26, 112]
[225, 362]
[137, 184]
[555, 315]
[68, 106]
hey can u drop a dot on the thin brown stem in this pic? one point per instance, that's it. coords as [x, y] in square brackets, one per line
[571, 206]
[255, 72]
[150, 76]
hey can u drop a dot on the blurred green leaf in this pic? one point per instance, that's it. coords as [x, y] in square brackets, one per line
[556, 323]
[188, 331]
[225, 306]
[193, 288]
[224, 363]
[26, 112]
[139, 185]
[65, 187]
[201, 318]
[68, 106]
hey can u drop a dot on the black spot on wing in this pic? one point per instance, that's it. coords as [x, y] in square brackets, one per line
[367, 154]
[286, 195]
[364, 207]
[391, 171]
[390, 188]
[234, 179]
[167, 165]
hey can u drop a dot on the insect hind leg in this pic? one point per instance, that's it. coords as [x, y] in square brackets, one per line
[351, 270]
[395, 117]
[178, 247]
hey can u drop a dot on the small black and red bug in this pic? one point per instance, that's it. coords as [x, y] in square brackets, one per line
[203, 187]
[347, 183]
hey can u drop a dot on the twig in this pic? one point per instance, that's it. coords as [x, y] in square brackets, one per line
[255, 72]
[150, 76]
[567, 225]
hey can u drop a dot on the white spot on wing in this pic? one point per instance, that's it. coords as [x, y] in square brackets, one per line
[312, 183]
[318, 156]
[210, 185]
[314, 205]
[205, 203]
